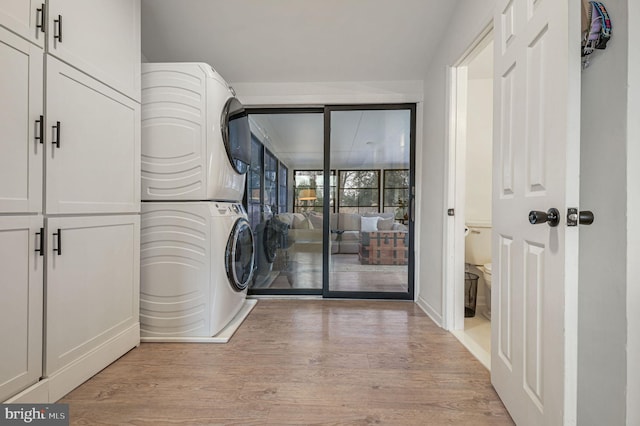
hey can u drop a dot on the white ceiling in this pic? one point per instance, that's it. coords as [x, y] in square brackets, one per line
[359, 139]
[297, 40]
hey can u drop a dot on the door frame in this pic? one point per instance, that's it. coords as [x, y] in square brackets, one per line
[455, 183]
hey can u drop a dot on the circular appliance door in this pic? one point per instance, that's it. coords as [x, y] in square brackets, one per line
[239, 256]
[236, 135]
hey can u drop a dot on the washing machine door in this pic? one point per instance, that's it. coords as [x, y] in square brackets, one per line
[236, 135]
[239, 255]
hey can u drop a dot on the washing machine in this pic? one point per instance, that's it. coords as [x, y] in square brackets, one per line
[197, 260]
[196, 141]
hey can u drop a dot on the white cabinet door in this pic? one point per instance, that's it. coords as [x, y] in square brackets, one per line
[93, 284]
[25, 18]
[93, 158]
[20, 130]
[100, 37]
[20, 303]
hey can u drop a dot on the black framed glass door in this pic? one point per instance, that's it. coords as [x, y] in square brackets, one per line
[340, 223]
[370, 241]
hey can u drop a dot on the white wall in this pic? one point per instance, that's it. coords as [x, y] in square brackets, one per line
[602, 329]
[633, 222]
[479, 151]
[470, 18]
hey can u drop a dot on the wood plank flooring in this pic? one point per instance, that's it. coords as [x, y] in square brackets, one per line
[338, 362]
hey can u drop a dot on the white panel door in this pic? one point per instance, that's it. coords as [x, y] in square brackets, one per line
[25, 18]
[99, 37]
[93, 159]
[21, 130]
[93, 283]
[21, 288]
[536, 165]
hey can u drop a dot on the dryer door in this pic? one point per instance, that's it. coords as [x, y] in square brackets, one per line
[236, 135]
[239, 256]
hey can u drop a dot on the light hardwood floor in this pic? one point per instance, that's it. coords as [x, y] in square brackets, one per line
[339, 362]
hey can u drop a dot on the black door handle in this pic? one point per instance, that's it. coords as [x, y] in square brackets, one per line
[41, 235]
[59, 235]
[574, 217]
[551, 217]
[40, 136]
[585, 217]
[56, 141]
[59, 25]
[40, 22]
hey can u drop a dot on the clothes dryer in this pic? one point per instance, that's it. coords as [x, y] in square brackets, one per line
[197, 259]
[196, 141]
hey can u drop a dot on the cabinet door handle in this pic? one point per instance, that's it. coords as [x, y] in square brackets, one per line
[40, 13]
[58, 23]
[56, 141]
[41, 235]
[59, 235]
[40, 123]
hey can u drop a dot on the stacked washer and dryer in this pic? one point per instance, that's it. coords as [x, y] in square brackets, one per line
[197, 250]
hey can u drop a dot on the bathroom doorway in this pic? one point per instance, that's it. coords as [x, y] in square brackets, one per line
[468, 237]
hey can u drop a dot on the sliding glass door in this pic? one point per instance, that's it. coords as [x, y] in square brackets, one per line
[370, 240]
[329, 197]
[284, 200]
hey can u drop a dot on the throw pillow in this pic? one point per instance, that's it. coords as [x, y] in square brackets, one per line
[385, 224]
[369, 224]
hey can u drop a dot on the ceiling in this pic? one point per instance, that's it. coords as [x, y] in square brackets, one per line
[297, 40]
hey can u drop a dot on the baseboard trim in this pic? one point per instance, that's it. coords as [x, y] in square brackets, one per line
[73, 375]
[476, 350]
[222, 337]
[38, 393]
[428, 309]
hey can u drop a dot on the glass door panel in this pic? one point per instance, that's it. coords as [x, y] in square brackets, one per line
[371, 234]
[288, 232]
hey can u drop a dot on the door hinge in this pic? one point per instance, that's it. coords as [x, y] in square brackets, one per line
[451, 212]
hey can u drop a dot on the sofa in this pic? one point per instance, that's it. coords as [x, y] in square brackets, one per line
[305, 229]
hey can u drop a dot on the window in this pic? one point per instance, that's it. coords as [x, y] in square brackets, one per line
[254, 182]
[270, 182]
[309, 190]
[396, 192]
[283, 179]
[359, 191]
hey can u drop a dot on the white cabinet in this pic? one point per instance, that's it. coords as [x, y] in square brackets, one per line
[20, 125]
[82, 160]
[21, 303]
[101, 38]
[93, 159]
[25, 18]
[93, 285]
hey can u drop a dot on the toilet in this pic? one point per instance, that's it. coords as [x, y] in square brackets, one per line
[478, 253]
[486, 274]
